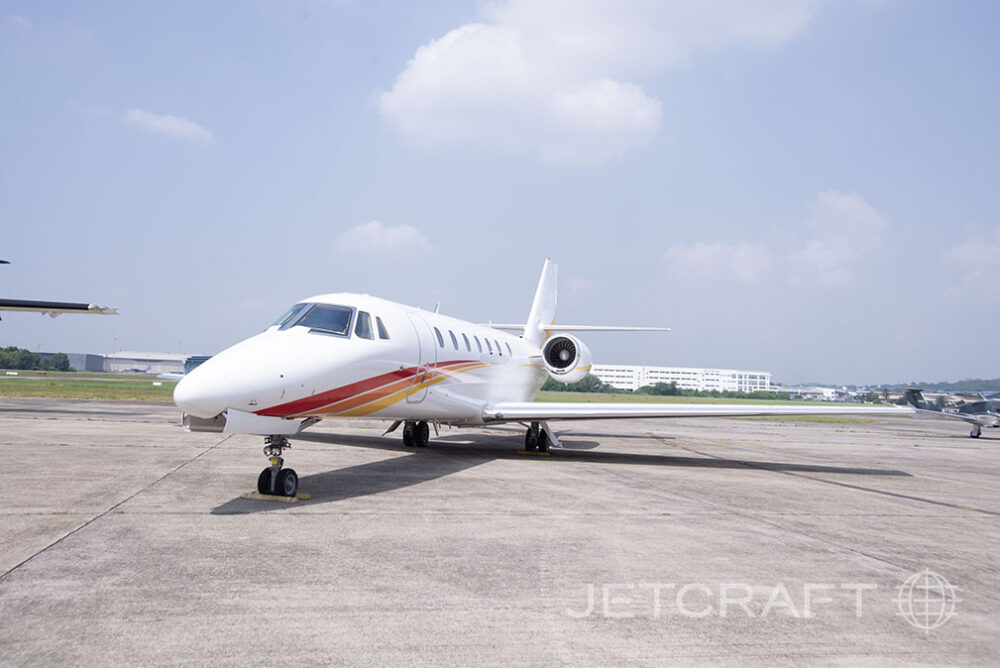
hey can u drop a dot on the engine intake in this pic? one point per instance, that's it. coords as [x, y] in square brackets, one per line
[567, 358]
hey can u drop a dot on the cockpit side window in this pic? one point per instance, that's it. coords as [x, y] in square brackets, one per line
[439, 337]
[488, 346]
[383, 333]
[363, 327]
[327, 319]
[288, 316]
[468, 346]
[454, 341]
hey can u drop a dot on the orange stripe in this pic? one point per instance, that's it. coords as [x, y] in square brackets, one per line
[368, 394]
[396, 397]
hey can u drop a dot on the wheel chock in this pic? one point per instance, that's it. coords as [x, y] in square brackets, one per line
[257, 496]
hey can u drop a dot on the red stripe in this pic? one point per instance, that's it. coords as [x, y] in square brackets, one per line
[308, 404]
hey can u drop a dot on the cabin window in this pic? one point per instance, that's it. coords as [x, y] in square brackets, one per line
[478, 344]
[488, 346]
[363, 326]
[440, 338]
[383, 333]
[326, 319]
[454, 341]
[468, 346]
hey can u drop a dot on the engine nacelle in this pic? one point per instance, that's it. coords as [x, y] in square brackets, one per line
[567, 358]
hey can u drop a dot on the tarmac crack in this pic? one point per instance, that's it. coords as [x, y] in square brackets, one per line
[106, 512]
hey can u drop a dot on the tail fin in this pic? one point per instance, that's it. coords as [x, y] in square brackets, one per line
[916, 399]
[543, 308]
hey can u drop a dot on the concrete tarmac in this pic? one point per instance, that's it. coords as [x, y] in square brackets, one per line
[126, 541]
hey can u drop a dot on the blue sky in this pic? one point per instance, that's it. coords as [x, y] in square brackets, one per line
[802, 187]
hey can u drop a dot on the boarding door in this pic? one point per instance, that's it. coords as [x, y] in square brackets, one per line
[426, 358]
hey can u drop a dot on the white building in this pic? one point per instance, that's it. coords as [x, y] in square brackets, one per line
[627, 377]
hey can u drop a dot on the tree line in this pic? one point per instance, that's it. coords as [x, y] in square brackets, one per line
[12, 357]
[967, 385]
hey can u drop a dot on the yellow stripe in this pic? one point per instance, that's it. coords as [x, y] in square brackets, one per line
[396, 397]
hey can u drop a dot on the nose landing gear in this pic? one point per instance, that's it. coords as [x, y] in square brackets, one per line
[976, 431]
[274, 479]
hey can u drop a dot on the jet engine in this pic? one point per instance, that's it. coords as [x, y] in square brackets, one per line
[567, 358]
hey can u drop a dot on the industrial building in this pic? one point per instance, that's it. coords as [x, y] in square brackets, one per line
[629, 377]
[151, 363]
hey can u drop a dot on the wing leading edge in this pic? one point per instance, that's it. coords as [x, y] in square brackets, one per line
[54, 308]
[515, 411]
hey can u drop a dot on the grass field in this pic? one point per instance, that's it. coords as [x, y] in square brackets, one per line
[121, 389]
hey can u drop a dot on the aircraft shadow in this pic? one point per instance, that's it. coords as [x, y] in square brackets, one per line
[453, 453]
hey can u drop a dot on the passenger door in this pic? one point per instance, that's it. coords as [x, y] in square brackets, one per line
[426, 358]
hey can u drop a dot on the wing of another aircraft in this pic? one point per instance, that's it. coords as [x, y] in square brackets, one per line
[54, 308]
[517, 411]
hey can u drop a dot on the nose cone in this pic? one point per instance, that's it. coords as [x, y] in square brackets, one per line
[250, 375]
[197, 395]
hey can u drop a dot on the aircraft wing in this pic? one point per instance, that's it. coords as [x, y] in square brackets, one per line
[577, 328]
[518, 411]
[54, 308]
[965, 417]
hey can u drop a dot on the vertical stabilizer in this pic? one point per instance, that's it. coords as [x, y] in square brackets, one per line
[543, 308]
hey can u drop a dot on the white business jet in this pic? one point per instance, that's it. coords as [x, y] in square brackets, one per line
[352, 355]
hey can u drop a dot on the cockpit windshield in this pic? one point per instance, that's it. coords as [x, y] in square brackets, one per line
[329, 319]
[289, 315]
[322, 318]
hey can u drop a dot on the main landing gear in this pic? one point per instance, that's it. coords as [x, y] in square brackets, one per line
[975, 432]
[274, 479]
[416, 434]
[536, 439]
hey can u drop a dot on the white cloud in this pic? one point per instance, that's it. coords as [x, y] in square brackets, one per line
[846, 231]
[375, 238]
[976, 260]
[18, 22]
[743, 261]
[558, 79]
[173, 126]
[99, 112]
